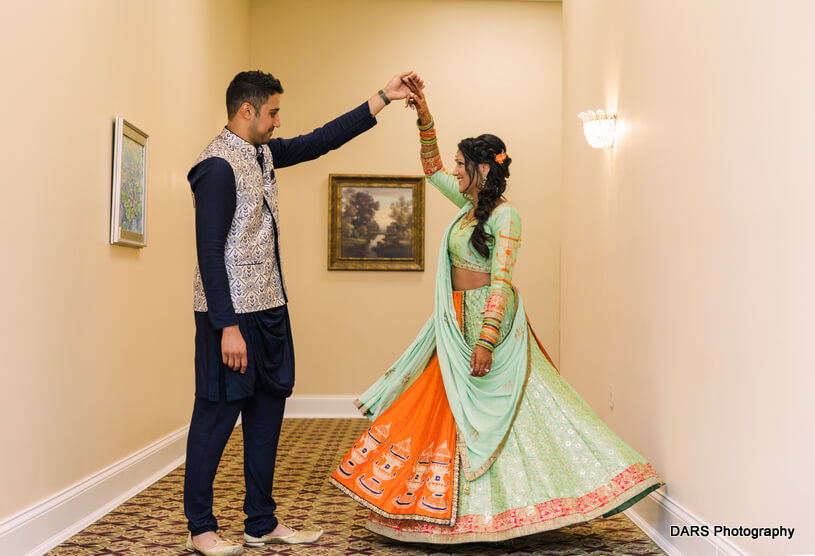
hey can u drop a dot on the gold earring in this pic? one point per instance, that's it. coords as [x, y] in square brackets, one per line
[483, 182]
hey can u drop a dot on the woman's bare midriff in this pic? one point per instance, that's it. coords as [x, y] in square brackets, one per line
[469, 279]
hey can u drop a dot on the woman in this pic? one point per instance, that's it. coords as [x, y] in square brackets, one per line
[476, 437]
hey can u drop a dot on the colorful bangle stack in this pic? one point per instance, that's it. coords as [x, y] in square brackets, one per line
[428, 137]
[426, 127]
[431, 159]
[427, 133]
[490, 333]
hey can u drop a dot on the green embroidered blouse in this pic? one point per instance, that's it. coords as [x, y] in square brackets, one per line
[503, 225]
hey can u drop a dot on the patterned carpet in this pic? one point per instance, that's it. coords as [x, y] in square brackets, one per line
[153, 521]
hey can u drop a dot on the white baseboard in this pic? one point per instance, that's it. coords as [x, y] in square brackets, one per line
[655, 514]
[300, 407]
[55, 519]
[43, 526]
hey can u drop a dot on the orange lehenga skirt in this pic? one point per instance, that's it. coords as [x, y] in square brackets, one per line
[405, 467]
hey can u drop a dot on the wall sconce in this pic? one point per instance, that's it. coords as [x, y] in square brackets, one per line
[599, 128]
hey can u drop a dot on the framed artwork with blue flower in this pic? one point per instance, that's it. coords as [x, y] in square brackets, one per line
[128, 206]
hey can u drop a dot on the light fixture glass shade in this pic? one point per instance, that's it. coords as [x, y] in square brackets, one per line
[599, 128]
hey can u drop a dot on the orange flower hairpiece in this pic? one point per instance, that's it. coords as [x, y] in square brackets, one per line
[500, 158]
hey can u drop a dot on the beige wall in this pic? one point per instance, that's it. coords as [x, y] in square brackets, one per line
[96, 339]
[490, 67]
[688, 265]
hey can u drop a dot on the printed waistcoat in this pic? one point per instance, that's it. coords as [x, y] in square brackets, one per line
[251, 253]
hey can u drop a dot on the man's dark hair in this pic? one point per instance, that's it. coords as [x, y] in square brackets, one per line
[253, 87]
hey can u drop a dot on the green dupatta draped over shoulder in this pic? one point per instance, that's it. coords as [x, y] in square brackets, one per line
[483, 407]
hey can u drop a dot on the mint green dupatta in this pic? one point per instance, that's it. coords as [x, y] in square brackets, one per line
[483, 407]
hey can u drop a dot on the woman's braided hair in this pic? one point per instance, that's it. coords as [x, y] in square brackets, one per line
[483, 150]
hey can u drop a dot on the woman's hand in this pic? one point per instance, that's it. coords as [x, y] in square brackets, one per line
[416, 99]
[396, 89]
[480, 361]
[401, 85]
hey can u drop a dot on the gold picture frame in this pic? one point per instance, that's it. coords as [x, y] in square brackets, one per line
[375, 222]
[128, 198]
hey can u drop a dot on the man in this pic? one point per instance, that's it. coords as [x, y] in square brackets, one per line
[244, 356]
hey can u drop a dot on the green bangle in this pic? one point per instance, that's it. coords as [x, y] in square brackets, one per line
[484, 344]
[384, 97]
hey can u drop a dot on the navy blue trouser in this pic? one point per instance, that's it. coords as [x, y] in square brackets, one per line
[210, 428]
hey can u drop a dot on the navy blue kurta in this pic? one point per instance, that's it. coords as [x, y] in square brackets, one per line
[267, 333]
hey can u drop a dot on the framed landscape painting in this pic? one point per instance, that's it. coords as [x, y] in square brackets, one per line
[375, 222]
[129, 189]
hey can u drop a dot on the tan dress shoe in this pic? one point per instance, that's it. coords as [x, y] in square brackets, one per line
[221, 548]
[298, 537]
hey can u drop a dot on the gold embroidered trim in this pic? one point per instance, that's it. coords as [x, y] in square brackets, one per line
[540, 345]
[469, 474]
[460, 262]
[464, 221]
[463, 312]
[455, 485]
[361, 407]
[378, 511]
[522, 530]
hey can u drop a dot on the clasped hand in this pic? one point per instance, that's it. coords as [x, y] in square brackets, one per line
[415, 98]
[401, 86]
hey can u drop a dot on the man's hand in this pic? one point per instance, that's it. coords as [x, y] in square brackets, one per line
[233, 349]
[398, 87]
[480, 361]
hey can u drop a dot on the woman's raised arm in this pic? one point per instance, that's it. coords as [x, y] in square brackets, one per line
[431, 159]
